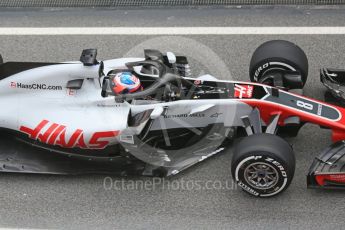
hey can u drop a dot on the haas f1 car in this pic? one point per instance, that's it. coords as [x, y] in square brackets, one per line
[148, 116]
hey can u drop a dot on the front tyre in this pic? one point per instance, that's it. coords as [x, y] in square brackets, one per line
[263, 165]
[279, 57]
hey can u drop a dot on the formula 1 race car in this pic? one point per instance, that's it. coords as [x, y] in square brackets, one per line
[147, 116]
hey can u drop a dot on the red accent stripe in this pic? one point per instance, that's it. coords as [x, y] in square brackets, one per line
[72, 141]
[34, 132]
[56, 133]
[97, 143]
[321, 179]
[81, 143]
[44, 137]
[267, 109]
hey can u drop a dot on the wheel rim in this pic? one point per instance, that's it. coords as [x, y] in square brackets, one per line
[261, 175]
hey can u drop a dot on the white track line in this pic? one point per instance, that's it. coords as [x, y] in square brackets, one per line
[169, 30]
[20, 229]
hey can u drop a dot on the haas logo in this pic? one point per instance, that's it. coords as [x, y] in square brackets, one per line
[55, 134]
[243, 91]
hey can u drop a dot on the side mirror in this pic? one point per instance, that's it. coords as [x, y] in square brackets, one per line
[171, 57]
[157, 112]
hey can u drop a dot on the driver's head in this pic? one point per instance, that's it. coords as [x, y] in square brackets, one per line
[125, 82]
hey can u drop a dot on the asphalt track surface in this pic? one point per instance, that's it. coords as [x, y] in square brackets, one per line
[91, 201]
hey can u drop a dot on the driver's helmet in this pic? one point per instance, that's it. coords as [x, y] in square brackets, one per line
[125, 82]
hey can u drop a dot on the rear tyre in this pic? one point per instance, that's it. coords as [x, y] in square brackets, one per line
[263, 165]
[277, 56]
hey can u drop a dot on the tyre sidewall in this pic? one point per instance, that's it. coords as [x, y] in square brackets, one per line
[260, 68]
[268, 158]
[285, 52]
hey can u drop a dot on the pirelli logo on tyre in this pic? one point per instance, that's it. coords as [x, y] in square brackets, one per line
[34, 86]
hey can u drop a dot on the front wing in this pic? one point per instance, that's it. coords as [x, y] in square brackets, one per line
[328, 169]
